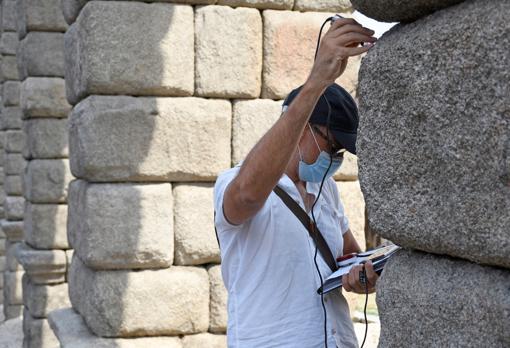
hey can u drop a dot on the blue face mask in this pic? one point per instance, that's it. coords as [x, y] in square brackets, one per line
[315, 172]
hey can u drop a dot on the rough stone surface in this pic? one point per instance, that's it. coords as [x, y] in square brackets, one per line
[47, 181]
[10, 68]
[11, 117]
[323, 5]
[228, 52]
[128, 308]
[170, 139]
[290, 39]
[9, 15]
[14, 141]
[44, 97]
[11, 333]
[14, 207]
[130, 48]
[195, 240]
[250, 121]
[13, 288]
[71, 9]
[45, 226]
[72, 332]
[10, 95]
[36, 15]
[421, 168]
[13, 230]
[40, 300]
[13, 185]
[400, 11]
[41, 54]
[13, 311]
[260, 4]
[443, 302]
[218, 308]
[37, 332]
[46, 138]
[354, 208]
[14, 164]
[204, 340]
[43, 266]
[12, 263]
[121, 226]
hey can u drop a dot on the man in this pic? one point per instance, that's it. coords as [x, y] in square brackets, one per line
[268, 261]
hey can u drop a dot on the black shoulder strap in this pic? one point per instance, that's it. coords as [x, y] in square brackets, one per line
[312, 229]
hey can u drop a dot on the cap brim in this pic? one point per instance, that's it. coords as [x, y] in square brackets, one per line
[348, 140]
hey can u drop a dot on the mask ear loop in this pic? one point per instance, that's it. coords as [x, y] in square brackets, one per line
[314, 138]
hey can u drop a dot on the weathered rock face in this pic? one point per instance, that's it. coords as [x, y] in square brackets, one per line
[454, 303]
[434, 140]
[400, 11]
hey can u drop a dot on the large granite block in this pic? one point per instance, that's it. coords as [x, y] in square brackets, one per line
[41, 54]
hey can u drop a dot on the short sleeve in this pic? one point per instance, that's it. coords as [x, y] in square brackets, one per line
[220, 186]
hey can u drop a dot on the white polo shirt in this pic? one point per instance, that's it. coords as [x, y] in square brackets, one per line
[269, 272]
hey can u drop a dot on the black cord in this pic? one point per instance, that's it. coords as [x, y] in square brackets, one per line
[366, 302]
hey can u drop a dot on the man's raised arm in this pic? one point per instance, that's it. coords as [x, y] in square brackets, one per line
[267, 161]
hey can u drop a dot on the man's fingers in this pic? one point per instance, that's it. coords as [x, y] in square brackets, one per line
[351, 28]
[354, 51]
[341, 22]
[350, 38]
[345, 283]
[371, 275]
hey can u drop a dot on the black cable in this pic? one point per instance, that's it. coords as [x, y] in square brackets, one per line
[366, 302]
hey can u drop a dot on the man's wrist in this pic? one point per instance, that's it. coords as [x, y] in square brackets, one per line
[314, 86]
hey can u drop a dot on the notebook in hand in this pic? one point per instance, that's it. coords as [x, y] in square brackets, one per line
[378, 256]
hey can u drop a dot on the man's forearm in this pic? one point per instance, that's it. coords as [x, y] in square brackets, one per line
[268, 159]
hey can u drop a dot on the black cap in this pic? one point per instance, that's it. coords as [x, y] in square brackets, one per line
[343, 123]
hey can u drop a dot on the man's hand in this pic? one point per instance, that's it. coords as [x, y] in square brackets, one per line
[338, 44]
[351, 282]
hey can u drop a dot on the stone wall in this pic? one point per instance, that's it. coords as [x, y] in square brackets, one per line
[117, 117]
[164, 97]
[434, 144]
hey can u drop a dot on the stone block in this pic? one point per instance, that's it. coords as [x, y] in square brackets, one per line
[14, 207]
[12, 311]
[14, 164]
[349, 169]
[72, 332]
[397, 11]
[218, 309]
[2, 138]
[204, 340]
[3, 265]
[149, 139]
[10, 95]
[260, 4]
[41, 54]
[11, 262]
[323, 5]
[8, 13]
[46, 138]
[286, 66]
[46, 181]
[228, 52]
[37, 333]
[11, 117]
[13, 185]
[126, 309]
[444, 302]
[251, 119]
[195, 240]
[43, 266]
[420, 169]
[122, 226]
[9, 43]
[10, 67]
[46, 226]
[40, 300]
[13, 230]
[14, 141]
[130, 48]
[44, 97]
[354, 208]
[36, 15]
[13, 288]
